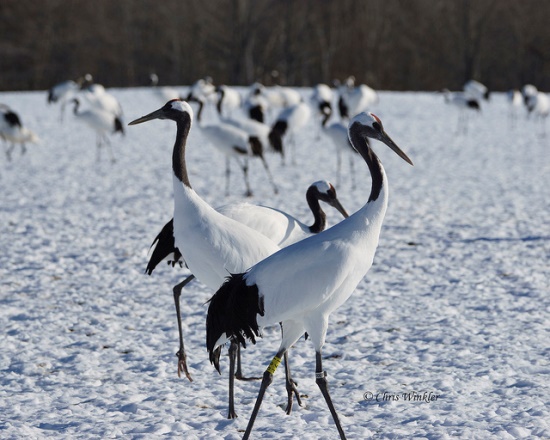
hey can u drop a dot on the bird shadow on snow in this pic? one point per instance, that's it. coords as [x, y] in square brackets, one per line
[502, 239]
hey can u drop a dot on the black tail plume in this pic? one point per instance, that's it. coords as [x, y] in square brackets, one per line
[233, 311]
[276, 136]
[255, 146]
[165, 246]
[118, 125]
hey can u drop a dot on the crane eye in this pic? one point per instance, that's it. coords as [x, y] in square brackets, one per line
[376, 126]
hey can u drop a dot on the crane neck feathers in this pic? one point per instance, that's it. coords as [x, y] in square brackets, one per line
[178, 156]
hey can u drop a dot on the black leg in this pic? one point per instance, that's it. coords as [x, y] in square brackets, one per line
[266, 381]
[321, 379]
[182, 359]
[290, 387]
[239, 373]
[232, 355]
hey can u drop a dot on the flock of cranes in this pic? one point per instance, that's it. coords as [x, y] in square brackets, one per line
[264, 266]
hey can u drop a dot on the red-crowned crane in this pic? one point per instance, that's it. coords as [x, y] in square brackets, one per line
[211, 244]
[102, 122]
[289, 121]
[337, 132]
[235, 143]
[475, 90]
[355, 99]
[100, 99]
[13, 131]
[464, 104]
[62, 93]
[302, 284]
[202, 91]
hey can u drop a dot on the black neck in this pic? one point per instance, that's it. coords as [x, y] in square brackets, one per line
[318, 213]
[361, 144]
[178, 156]
[219, 103]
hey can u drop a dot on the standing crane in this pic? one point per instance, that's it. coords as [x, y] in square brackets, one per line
[102, 122]
[302, 284]
[211, 244]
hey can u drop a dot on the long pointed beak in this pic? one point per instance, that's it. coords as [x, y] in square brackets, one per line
[335, 203]
[157, 114]
[390, 143]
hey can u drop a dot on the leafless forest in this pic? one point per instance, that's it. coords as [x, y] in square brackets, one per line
[388, 44]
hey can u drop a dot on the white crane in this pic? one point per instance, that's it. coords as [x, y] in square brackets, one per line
[63, 93]
[539, 106]
[515, 101]
[99, 98]
[322, 98]
[270, 140]
[240, 146]
[212, 245]
[202, 91]
[475, 90]
[337, 132]
[289, 121]
[302, 284]
[464, 104]
[256, 104]
[102, 122]
[13, 131]
[163, 93]
[277, 225]
[355, 99]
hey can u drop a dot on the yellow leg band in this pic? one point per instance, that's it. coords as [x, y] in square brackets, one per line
[273, 365]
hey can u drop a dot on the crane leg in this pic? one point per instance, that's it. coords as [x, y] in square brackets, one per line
[238, 372]
[321, 379]
[270, 177]
[182, 358]
[266, 381]
[290, 387]
[233, 348]
[244, 167]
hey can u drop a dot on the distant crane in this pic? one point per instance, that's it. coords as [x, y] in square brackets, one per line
[63, 93]
[355, 99]
[13, 131]
[289, 121]
[302, 284]
[464, 104]
[475, 90]
[539, 106]
[102, 122]
[337, 132]
[238, 145]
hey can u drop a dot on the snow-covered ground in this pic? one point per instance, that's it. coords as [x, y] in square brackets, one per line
[456, 303]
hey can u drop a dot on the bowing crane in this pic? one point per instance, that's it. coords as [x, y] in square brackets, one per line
[302, 284]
